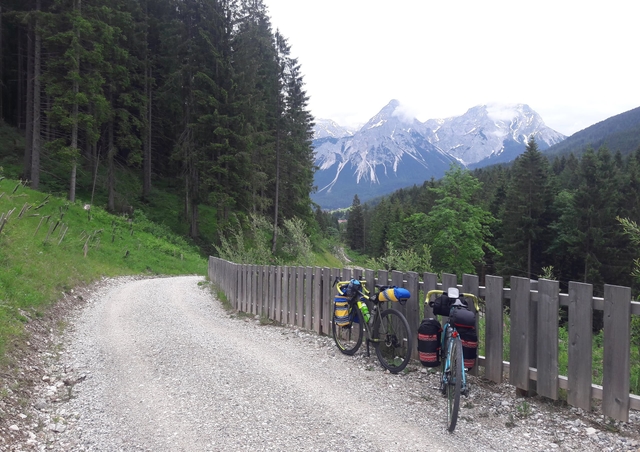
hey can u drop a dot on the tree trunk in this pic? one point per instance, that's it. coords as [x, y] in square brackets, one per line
[111, 175]
[35, 149]
[146, 185]
[19, 90]
[1, 75]
[148, 91]
[277, 195]
[74, 127]
[26, 167]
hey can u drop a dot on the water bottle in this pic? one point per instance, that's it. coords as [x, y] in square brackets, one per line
[365, 311]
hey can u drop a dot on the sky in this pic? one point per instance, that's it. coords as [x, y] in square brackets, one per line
[575, 62]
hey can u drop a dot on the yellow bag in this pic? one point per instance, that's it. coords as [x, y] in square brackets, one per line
[341, 310]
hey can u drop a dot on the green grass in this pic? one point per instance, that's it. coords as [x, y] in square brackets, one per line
[563, 351]
[54, 246]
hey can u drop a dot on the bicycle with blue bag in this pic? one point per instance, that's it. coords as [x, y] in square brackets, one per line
[357, 314]
[456, 348]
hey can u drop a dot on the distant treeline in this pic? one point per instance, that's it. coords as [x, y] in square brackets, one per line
[200, 94]
[560, 218]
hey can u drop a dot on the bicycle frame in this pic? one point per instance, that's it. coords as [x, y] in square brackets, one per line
[387, 328]
[451, 339]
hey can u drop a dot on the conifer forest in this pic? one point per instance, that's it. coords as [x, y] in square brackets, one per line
[201, 95]
[205, 99]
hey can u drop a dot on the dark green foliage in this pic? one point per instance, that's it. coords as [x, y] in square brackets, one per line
[355, 226]
[201, 95]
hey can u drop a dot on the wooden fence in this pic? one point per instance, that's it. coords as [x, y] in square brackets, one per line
[303, 296]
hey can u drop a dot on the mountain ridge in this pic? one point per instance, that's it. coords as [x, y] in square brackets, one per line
[395, 150]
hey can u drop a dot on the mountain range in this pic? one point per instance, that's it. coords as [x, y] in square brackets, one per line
[393, 150]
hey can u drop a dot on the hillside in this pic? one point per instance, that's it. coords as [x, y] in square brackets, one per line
[618, 133]
[49, 246]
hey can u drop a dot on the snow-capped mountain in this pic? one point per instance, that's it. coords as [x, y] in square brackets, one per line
[329, 128]
[389, 152]
[488, 134]
[394, 150]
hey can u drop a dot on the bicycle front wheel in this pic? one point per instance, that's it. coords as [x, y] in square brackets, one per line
[392, 339]
[348, 337]
[456, 369]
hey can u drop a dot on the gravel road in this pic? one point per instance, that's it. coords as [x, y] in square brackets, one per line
[159, 365]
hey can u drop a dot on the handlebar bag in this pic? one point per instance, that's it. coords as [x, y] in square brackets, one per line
[429, 342]
[442, 304]
[398, 294]
[341, 310]
[353, 288]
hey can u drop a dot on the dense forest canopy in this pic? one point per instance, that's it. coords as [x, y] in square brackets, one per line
[199, 95]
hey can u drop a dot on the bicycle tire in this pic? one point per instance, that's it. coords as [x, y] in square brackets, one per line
[392, 340]
[349, 338]
[454, 385]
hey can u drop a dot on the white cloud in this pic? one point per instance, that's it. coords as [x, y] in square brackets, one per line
[571, 61]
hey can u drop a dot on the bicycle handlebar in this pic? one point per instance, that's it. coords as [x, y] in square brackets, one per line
[476, 300]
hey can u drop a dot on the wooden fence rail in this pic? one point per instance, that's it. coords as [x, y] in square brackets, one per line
[303, 296]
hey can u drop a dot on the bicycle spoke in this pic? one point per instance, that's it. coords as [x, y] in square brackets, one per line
[349, 338]
[394, 342]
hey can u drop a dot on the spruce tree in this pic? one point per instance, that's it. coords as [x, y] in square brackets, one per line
[525, 218]
[355, 225]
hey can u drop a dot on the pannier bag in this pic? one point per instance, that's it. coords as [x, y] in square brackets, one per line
[469, 340]
[399, 294]
[462, 318]
[429, 342]
[341, 310]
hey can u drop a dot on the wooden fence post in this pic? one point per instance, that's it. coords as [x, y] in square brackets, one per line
[520, 333]
[547, 347]
[617, 352]
[317, 300]
[494, 328]
[580, 345]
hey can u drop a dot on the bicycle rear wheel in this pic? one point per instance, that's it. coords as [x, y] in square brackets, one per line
[348, 338]
[456, 368]
[393, 341]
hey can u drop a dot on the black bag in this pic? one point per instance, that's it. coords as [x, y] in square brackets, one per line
[442, 304]
[462, 318]
[469, 346]
[429, 342]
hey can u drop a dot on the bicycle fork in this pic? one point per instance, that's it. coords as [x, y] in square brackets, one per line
[446, 374]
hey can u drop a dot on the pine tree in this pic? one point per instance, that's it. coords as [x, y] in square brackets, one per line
[355, 226]
[525, 218]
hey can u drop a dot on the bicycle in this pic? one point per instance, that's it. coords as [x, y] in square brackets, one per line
[356, 312]
[453, 377]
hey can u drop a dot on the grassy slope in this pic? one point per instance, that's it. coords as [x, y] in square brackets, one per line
[36, 265]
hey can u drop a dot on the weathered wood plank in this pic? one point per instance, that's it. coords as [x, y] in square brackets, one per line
[279, 294]
[580, 345]
[317, 299]
[494, 328]
[291, 318]
[413, 310]
[308, 297]
[430, 282]
[327, 299]
[547, 348]
[300, 297]
[520, 333]
[616, 353]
